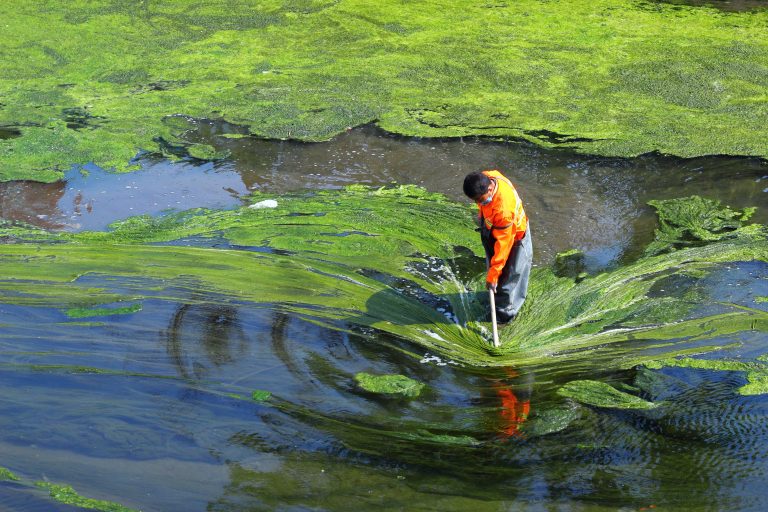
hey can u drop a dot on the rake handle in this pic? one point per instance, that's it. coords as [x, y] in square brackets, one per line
[493, 318]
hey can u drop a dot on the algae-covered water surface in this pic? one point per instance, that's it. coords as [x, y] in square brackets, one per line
[325, 349]
[251, 323]
[97, 81]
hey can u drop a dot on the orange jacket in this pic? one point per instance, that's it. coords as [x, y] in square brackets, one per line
[505, 216]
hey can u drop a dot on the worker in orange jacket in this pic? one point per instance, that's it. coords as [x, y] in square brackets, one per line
[506, 238]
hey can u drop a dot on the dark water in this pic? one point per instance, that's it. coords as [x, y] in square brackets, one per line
[159, 428]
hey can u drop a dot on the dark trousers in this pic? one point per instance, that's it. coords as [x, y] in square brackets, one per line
[513, 282]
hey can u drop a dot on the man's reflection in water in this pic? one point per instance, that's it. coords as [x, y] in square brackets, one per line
[515, 401]
[201, 335]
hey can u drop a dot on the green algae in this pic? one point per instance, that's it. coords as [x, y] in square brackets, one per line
[707, 364]
[756, 372]
[98, 81]
[570, 264]
[696, 221]
[761, 299]
[7, 474]
[550, 421]
[600, 394]
[389, 384]
[205, 152]
[67, 495]
[425, 436]
[758, 383]
[90, 312]
[381, 258]
[325, 277]
[260, 395]
[651, 299]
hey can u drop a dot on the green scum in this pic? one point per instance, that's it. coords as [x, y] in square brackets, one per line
[99, 81]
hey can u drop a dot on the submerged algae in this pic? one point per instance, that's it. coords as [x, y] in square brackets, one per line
[389, 384]
[67, 495]
[97, 81]
[261, 395]
[600, 394]
[550, 421]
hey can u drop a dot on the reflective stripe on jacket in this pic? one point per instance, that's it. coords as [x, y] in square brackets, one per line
[507, 220]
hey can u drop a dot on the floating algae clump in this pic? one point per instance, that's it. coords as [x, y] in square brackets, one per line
[7, 474]
[261, 395]
[389, 384]
[89, 312]
[758, 382]
[98, 81]
[600, 394]
[66, 494]
[696, 221]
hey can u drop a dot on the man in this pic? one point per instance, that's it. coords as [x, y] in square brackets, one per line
[506, 239]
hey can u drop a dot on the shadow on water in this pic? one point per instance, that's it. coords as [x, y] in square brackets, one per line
[214, 330]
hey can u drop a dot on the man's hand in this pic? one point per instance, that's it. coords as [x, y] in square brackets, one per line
[491, 286]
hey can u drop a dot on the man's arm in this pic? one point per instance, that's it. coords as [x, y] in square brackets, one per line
[505, 239]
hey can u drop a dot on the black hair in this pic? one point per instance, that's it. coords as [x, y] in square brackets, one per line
[476, 184]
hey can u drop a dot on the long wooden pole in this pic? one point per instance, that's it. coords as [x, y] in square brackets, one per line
[493, 318]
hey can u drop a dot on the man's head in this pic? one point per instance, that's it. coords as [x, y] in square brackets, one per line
[478, 187]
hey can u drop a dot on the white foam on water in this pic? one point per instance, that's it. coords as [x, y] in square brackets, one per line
[429, 358]
[267, 203]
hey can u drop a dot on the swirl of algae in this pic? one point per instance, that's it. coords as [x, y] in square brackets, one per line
[335, 257]
[99, 81]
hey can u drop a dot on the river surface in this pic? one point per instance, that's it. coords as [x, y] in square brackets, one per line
[164, 427]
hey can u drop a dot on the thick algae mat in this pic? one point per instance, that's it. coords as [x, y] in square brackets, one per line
[396, 259]
[100, 81]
